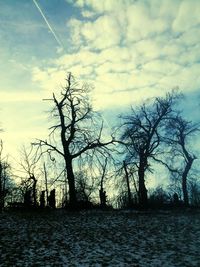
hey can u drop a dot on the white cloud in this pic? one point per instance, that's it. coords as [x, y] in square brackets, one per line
[188, 15]
[74, 26]
[99, 34]
[111, 67]
[166, 9]
[148, 49]
[162, 67]
[102, 6]
[187, 79]
[124, 21]
[172, 49]
[7, 97]
[88, 14]
[50, 78]
[190, 37]
[140, 24]
[190, 56]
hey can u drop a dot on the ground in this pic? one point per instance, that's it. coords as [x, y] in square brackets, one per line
[95, 238]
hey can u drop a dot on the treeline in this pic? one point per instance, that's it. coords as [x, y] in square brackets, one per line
[80, 166]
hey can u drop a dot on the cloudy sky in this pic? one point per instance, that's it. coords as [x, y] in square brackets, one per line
[128, 50]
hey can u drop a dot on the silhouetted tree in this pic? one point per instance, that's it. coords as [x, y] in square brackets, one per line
[52, 199]
[79, 132]
[84, 186]
[128, 184]
[28, 163]
[28, 199]
[46, 182]
[159, 197]
[142, 131]
[50, 171]
[102, 166]
[45, 173]
[179, 132]
[4, 178]
[175, 198]
[194, 189]
[42, 199]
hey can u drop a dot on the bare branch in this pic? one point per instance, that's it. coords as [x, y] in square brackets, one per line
[45, 143]
[93, 145]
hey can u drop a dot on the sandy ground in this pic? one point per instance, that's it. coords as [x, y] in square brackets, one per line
[100, 239]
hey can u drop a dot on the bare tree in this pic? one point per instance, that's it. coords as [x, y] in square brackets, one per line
[99, 173]
[126, 184]
[2, 178]
[194, 189]
[179, 133]
[5, 180]
[102, 165]
[29, 164]
[84, 186]
[142, 132]
[78, 130]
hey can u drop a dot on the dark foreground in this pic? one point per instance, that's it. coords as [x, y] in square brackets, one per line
[96, 238]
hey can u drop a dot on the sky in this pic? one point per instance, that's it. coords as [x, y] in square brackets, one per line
[128, 50]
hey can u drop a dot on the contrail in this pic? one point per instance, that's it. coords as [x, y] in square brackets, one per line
[49, 26]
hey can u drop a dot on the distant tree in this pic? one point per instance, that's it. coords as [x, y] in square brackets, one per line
[104, 166]
[6, 184]
[29, 167]
[179, 134]
[47, 167]
[194, 189]
[51, 172]
[102, 192]
[159, 197]
[142, 134]
[52, 199]
[126, 184]
[42, 199]
[79, 131]
[84, 186]
[46, 184]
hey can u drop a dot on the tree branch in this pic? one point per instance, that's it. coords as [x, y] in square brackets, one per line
[92, 146]
[45, 143]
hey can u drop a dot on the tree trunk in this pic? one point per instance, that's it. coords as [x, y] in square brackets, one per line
[46, 182]
[102, 193]
[142, 188]
[71, 183]
[34, 191]
[128, 185]
[2, 186]
[1, 189]
[184, 182]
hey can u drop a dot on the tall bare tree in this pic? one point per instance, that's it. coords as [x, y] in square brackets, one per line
[179, 134]
[78, 130]
[142, 131]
